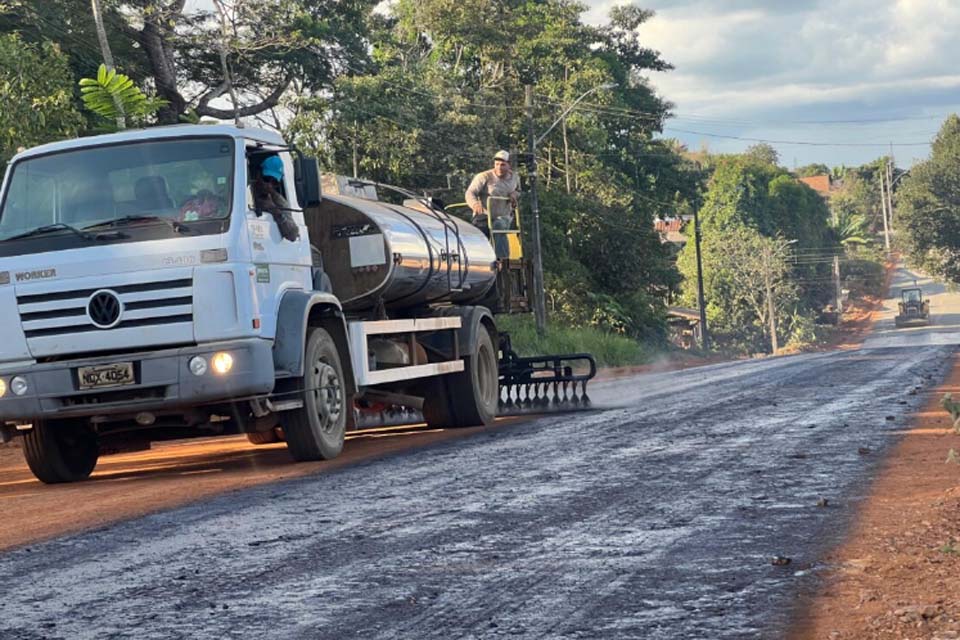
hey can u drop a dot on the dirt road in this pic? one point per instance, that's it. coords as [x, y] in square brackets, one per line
[656, 518]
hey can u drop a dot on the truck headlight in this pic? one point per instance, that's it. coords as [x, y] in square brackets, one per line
[222, 362]
[198, 366]
[19, 385]
[3, 387]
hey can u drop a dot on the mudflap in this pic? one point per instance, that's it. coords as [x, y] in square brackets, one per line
[542, 384]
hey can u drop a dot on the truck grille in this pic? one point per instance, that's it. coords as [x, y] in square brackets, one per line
[143, 305]
[106, 316]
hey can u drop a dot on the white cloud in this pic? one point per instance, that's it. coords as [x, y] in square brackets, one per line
[758, 62]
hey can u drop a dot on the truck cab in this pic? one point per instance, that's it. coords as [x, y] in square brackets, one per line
[150, 296]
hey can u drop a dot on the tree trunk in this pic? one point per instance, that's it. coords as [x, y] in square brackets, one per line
[566, 143]
[163, 68]
[224, 64]
[107, 58]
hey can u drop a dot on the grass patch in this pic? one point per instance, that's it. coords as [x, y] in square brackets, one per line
[609, 349]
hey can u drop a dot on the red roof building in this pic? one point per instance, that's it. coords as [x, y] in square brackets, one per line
[820, 184]
[670, 230]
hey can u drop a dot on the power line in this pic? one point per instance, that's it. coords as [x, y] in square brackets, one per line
[799, 142]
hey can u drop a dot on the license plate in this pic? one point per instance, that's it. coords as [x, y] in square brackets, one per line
[106, 375]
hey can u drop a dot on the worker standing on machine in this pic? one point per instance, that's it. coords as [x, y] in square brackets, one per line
[499, 187]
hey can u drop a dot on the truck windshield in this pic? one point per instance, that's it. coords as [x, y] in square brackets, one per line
[137, 184]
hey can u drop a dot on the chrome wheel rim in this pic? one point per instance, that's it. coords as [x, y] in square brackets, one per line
[327, 395]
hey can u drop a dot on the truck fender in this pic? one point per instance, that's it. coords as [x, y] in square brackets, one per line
[471, 319]
[298, 311]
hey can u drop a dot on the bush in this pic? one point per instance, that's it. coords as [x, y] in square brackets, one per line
[609, 349]
[862, 275]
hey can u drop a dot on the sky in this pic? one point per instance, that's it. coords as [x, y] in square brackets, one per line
[839, 73]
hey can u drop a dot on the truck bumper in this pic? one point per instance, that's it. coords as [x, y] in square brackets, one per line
[163, 381]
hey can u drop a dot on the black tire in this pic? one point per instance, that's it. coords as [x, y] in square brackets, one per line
[316, 430]
[61, 450]
[468, 398]
[436, 404]
[264, 437]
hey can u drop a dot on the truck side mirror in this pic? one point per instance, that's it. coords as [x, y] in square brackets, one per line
[306, 179]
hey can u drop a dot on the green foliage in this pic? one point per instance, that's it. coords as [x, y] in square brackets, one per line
[750, 192]
[446, 90]
[953, 408]
[850, 228]
[38, 100]
[112, 94]
[763, 153]
[863, 275]
[857, 192]
[928, 211]
[737, 262]
[815, 169]
[609, 349]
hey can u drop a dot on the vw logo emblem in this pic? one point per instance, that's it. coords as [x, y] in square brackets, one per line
[104, 309]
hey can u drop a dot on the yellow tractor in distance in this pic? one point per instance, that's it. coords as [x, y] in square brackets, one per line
[914, 311]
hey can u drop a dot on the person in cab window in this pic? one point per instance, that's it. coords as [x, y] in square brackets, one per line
[267, 197]
[202, 206]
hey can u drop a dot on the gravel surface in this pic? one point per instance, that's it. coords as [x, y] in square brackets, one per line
[657, 517]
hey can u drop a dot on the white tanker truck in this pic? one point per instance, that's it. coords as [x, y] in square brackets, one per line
[137, 314]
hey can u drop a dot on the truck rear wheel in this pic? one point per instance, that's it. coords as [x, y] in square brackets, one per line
[61, 450]
[264, 437]
[468, 398]
[316, 430]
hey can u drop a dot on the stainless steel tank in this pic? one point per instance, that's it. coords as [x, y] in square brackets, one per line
[375, 251]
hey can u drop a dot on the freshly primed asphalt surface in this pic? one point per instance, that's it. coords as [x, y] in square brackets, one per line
[656, 517]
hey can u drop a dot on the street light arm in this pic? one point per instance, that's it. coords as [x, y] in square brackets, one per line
[563, 115]
[897, 179]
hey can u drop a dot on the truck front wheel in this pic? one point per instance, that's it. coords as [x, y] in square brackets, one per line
[316, 430]
[61, 450]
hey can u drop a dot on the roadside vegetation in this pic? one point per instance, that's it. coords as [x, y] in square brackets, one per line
[928, 211]
[609, 349]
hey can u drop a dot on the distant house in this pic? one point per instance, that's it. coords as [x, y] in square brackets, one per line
[821, 184]
[683, 327]
[670, 230]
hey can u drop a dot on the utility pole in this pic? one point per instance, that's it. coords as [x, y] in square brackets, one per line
[883, 211]
[836, 272]
[355, 172]
[107, 58]
[539, 304]
[890, 168]
[701, 302]
[770, 306]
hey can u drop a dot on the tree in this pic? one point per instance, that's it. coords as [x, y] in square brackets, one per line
[763, 153]
[271, 47]
[446, 91]
[815, 169]
[745, 276]
[928, 210]
[37, 87]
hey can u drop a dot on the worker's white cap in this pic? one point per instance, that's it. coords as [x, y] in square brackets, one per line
[502, 155]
